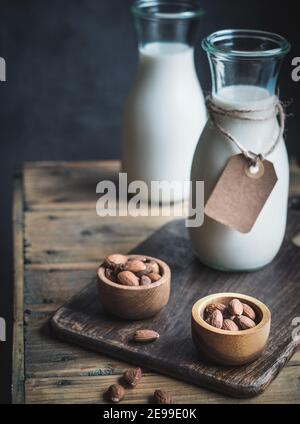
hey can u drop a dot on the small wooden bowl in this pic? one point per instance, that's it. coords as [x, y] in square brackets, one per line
[135, 303]
[230, 347]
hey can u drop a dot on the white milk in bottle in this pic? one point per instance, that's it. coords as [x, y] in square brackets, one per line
[165, 111]
[215, 244]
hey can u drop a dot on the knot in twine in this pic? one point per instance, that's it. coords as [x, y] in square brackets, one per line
[254, 114]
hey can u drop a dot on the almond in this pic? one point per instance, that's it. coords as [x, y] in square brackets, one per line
[153, 266]
[133, 376]
[134, 265]
[162, 397]
[115, 393]
[248, 311]
[245, 323]
[145, 336]
[154, 277]
[127, 278]
[235, 307]
[213, 306]
[229, 325]
[145, 280]
[216, 319]
[112, 261]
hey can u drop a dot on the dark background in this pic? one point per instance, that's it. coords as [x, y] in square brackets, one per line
[69, 67]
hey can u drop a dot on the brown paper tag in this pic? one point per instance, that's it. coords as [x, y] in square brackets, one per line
[241, 193]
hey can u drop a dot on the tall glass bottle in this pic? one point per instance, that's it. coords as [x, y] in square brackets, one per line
[244, 67]
[165, 112]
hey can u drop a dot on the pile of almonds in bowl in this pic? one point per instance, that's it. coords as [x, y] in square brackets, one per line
[133, 287]
[131, 271]
[235, 316]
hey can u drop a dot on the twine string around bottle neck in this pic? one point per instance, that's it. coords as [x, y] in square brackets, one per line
[254, 114]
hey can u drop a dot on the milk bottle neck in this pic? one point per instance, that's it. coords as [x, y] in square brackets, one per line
[246, 62]
[166, 21]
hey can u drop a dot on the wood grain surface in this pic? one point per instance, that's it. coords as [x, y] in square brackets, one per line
[83, 321]
[53, 371]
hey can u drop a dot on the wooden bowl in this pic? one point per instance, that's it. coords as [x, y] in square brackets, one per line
[135, 302]
[230, 347]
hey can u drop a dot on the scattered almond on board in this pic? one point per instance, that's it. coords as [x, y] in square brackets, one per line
[131, 271]
[115, 393]
[132, 376]
[235, 316]
[145, 336]
[162, 397]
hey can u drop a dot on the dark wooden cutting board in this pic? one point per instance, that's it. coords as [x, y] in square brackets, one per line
[83, 322]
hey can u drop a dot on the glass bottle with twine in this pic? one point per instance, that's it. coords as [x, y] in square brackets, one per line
[241, 155]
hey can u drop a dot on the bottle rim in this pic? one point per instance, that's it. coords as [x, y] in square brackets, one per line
[263, 44]
[156, 10]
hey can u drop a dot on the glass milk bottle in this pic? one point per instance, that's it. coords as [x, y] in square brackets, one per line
[244, 67]
[165, 111]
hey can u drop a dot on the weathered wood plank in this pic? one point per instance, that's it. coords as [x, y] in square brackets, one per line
[52, 286]
[18, 331]
[79, 164]
[45, 291]
[72, 185]
[65, 185]
[81, 321]
[50, 188]
[294, 179]
[45, 356]
[285, 389]
[82, 236]
[48, 357]
[68, 186]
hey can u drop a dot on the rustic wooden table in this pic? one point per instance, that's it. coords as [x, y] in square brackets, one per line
[59, 240]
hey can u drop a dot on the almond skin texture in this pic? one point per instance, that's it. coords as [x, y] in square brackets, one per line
[235, 307]
[245, 323]
[112, 261]
[115, 393]
[127, 278]
[135, 265]
[154, 277]
[216, 319]
[229, 325]
[145, 280]
[162, 397]
[154, 267]
[150, 267]
[145, 336]
[248, 311]
[132, 376]
[213, 306]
